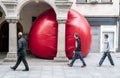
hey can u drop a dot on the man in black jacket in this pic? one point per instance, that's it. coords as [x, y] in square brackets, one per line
[77, 52]
[21, 53]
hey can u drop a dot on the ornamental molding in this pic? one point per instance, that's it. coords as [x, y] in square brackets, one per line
[9, 2]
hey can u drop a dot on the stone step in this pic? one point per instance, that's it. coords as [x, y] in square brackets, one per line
[61, 59]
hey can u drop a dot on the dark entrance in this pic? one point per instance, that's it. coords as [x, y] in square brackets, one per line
[4, 36]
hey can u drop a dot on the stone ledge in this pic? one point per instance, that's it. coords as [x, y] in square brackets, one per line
[10, 60]
[61, 59]
[11, 57]
[63, 3]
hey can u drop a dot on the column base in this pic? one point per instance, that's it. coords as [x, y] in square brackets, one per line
[61, 59]
[11, 57]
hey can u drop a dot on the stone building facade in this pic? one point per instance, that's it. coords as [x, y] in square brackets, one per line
[103, 16]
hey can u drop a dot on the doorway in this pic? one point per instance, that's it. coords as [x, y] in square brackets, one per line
[4, 36]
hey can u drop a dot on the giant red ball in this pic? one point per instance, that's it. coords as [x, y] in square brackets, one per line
[43, 35]
[77, 23]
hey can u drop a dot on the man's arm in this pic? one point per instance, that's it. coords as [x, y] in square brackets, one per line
[108, 46]
[19, 45]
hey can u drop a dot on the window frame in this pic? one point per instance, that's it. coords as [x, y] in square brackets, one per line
[99, 2]
[108, 29]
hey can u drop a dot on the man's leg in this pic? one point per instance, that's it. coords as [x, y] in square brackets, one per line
[73, 59]
[110, 59]
[25, 63]
[17, 63]
[103, 58]
[81, 58]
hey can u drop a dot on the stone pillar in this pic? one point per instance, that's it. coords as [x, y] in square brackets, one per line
[118, 35]
[12, 54]
[61, 56]
[62, 11]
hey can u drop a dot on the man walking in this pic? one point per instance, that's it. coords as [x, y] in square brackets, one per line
[21, 53]
[77, 52]
[106, 51]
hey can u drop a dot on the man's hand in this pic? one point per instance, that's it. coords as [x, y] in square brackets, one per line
[73, 51]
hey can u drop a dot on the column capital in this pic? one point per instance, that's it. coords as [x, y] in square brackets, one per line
[62, 8]
[12, 20]
[61, 21]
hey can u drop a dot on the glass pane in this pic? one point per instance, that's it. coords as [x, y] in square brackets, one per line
[110, 39]
[106, 0]
[94, 0]
[81, 1]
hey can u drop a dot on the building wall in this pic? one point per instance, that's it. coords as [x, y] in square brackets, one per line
[99, 15]
[101, 10]
[95, 12]
[27, 13]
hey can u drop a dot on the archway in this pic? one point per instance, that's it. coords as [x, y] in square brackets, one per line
[4, 36]
[2, 18]
[30, 12]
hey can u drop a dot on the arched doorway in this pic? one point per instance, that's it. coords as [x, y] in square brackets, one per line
[4, 36]
[29, 12]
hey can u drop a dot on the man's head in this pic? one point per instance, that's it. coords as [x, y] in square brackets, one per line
[20, 34]
[76, 35]
[106, 36]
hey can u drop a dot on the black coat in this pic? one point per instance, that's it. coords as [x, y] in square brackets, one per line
[78, 47]
[21, 47]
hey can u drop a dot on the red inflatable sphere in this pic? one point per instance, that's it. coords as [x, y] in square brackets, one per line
[43, 36]
[77, 23]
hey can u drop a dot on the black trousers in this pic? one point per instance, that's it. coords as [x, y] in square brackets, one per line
[23, 59]
[77, 54]
[104, 56]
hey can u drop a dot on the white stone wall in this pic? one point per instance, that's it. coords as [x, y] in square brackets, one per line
[26, 16]
[26, 12]
[20, 10]
[101, 10]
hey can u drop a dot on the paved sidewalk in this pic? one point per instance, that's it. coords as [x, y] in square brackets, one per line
[50, 69]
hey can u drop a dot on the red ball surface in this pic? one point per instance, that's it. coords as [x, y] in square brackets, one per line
[43, 35]
[77, 23]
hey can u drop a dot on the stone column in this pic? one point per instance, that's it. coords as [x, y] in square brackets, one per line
[119, 30]
[62, 11]
[12, 54]
[61, 56]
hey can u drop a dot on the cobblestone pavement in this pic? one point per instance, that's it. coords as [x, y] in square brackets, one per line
[50, 69]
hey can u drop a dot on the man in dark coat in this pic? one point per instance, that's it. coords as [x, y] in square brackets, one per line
[77, 52]
[21, 53]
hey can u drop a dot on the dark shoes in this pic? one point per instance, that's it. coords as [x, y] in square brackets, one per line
[83, 66]
[69, 65]
[25, 70]
[13, 68]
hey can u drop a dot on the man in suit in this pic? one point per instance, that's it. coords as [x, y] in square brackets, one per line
[77, 52]
[21, 52]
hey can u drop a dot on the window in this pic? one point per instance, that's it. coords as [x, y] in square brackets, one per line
[93, 1]
[33, 18]
[81, 1]
[111, 31]
[110, 39]
[106, 0]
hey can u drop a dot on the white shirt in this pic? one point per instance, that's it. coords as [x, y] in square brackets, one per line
[106, 45]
